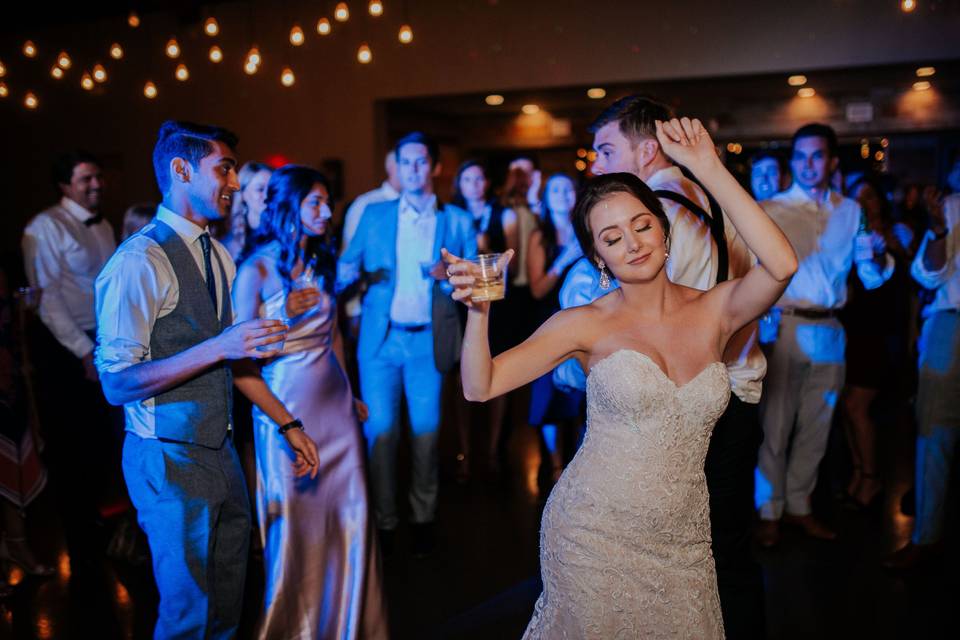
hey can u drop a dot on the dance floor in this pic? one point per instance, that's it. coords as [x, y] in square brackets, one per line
[482, 580]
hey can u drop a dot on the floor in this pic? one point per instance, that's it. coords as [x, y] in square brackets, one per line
[482, 580]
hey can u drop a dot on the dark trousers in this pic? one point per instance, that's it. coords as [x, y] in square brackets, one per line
[192, 503]
[729, 469]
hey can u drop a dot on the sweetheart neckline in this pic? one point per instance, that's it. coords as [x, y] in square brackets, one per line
[656, 366]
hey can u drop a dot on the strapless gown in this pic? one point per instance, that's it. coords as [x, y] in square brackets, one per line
[625, 536]
[320, 559]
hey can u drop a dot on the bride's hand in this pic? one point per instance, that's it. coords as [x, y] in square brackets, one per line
[687, 142]
[460, 273]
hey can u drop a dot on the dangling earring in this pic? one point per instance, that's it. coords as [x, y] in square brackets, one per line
[604, 277]
[666, 251]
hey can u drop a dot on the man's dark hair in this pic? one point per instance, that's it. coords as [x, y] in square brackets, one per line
[65, 163]
[766, 155]
[188, 141]
[417, 137]
[818, 130]
[598, 189]
[636, 115]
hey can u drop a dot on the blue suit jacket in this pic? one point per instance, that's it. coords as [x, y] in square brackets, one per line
[374, 249]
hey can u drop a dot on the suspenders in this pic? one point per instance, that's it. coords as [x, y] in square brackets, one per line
[714, 222]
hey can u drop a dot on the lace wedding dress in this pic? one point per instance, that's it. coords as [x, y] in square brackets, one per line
[625, 537]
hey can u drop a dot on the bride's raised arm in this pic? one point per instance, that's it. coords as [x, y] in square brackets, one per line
[485, 377]
[688, 143]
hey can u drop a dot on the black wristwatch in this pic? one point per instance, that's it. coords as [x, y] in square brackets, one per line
[295, 424]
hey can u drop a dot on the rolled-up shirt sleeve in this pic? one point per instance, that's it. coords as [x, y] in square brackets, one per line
[129, 299]
[925, 277]
[871, 275]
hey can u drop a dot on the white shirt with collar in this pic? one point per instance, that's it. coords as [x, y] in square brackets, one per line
[945, 281]
[823, 235]
[384, 193]
[416, 232]
[136, 288]
[63, 256]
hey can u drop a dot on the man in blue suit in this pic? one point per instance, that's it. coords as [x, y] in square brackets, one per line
[397, 249]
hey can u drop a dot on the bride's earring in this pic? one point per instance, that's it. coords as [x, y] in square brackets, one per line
[604, 277]
[666, 251]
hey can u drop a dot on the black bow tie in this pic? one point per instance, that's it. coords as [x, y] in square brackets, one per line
[97, 219]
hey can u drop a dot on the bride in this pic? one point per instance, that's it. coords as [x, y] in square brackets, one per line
[625, 537]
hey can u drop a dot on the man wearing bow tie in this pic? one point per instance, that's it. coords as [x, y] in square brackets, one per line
[64, 248]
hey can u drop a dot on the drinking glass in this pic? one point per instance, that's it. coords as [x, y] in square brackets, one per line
[490, 271]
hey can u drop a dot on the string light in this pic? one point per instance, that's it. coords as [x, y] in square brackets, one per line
[30, 100]
[3, 69]
[4, 92]
[405, 35]
[596, 93]
[925, 72]
[86, 81]
[375, 8]
[921, 85]
[30, 50]
[182, 73]
[133, 20]
[56, 72]
[99, 73]
[296, 35]
[323, 26]
[806, 92]
[342, 12]
[287, 78]
[211, 27]
[494, 99]
[797, 81]
[364, 55]
[64, 60]
[530, 109]
[216, 55]
[250, 68]
[253, 56]
[150, 90]
[173, 48]
[116, 51]
[908, 5]
[580, 165]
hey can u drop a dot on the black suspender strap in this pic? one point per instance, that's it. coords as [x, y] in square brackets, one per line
[713, 222]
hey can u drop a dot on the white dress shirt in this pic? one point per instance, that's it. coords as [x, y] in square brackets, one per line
[946, 281]
[351, 221]
[416, 232]
[823, 235]
[138, 286]
[63, 256]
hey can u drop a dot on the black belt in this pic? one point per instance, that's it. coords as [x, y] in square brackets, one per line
[810, 314]
[409, 328]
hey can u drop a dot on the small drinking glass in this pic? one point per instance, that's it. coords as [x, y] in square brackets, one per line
[490, 271]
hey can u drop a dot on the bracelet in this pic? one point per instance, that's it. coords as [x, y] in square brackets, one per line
[295, 424]
[939, 236]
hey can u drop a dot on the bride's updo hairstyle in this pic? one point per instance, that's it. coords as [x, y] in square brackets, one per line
[598, 189]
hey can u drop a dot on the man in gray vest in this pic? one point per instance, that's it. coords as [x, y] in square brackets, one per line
[167, 352]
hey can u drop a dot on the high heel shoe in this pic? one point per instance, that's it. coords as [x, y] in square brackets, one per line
[15, 550]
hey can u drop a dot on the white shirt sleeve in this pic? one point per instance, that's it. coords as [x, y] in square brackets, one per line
[42, 254]
[130, 294]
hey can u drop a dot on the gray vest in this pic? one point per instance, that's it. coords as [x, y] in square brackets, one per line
[196, 411]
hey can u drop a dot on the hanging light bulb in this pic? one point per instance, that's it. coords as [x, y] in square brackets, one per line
[182, 73]
[406, 34]
[4, 92]
[64, 60]
[30, 100]
[216, 55]
[3, 69]
[30, 50]
[150, 90]
[376, 8]
[173, 48]
[323, 26]
[250, 68]
[56, 72]
[133, 20]
[116, 51]
[342, 12]
[99, 73]
[86, 81]
[253, 56]
[908, 5]
[287, 78]
[211, 27]
[296, 35]
[364, 55]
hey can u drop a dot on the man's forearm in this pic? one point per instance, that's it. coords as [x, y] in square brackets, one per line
[935, 254]
[150, 378]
